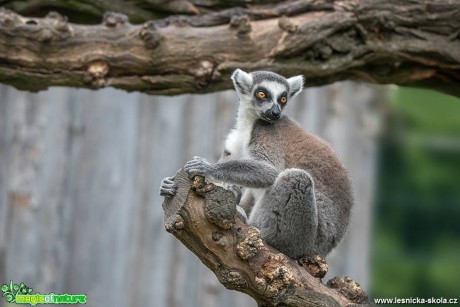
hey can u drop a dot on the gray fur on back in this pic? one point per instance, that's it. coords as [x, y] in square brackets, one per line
[286, 146]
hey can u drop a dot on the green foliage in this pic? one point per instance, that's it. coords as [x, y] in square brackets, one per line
[417, 244]
[427, 112]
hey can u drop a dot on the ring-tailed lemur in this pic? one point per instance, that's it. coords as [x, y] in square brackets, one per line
[298, 189]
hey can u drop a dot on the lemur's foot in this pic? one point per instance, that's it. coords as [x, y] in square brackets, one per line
[198, 166]
[237, 191]
[168, 187]
[241, 214]
[316, 266]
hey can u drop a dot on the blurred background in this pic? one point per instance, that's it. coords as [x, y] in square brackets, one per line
[80, 172]
[416, 236]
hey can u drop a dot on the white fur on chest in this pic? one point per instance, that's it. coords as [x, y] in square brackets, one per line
[237, 142]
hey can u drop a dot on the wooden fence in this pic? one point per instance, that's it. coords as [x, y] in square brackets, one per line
[79, 178]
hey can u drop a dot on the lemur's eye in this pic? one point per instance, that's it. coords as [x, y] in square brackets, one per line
[283, 99]
[260, 95]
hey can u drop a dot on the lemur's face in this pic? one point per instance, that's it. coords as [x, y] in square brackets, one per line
[265, 93]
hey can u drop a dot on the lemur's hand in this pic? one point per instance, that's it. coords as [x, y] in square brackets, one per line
[198, 166]
[168, 187]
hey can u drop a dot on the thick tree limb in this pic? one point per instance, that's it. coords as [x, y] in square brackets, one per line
[85, 11]
[237, 255]
[381, 41]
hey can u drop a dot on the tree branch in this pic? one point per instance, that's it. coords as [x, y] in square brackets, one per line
[87, 11]
[413, 43]
[202, 217]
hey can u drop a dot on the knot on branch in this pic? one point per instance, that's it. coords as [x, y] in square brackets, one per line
[231, 279]
[43, 30]
[9, 18]
[179, 223]
[249, 244]
[59, 22]
[220, 204]
[204, 69]
[319, 52]
[96, 72]
[275, 276]
[317, 266]
[203, 72]
[241, 23]
[346, 6]
[179, 21]
[216, 236]
[349, 288]
[112, 19]
[149, 34]
[287, 25]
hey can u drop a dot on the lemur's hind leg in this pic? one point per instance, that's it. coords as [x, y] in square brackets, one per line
[287, 215]
[241, 213]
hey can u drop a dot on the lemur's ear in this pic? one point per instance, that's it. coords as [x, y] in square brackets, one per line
[295, 85]
[242, 82]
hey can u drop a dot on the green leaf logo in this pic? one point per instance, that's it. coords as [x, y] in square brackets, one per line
[10, 298]
[10, 291]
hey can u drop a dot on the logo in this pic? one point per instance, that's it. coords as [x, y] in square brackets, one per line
[21, 294]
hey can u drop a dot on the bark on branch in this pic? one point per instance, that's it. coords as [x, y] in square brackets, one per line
[85, 11]
[380, 41]
[203, 217]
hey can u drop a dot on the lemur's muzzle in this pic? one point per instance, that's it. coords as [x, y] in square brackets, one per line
[273, 113]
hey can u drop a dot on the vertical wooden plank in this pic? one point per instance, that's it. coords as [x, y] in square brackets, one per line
[139, 288]
[34, 160]
[28, 124]
[156, 261]
[362, 161]
[101, 194]
[5, 143]
[51, 177]
[310, 109]
[22, 190]
[177, 110]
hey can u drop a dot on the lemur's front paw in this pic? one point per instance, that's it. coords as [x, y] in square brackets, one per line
[168, 187]
[198, 166]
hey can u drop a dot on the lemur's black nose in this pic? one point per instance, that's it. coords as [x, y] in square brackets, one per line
[276, 112]
[273, 114]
